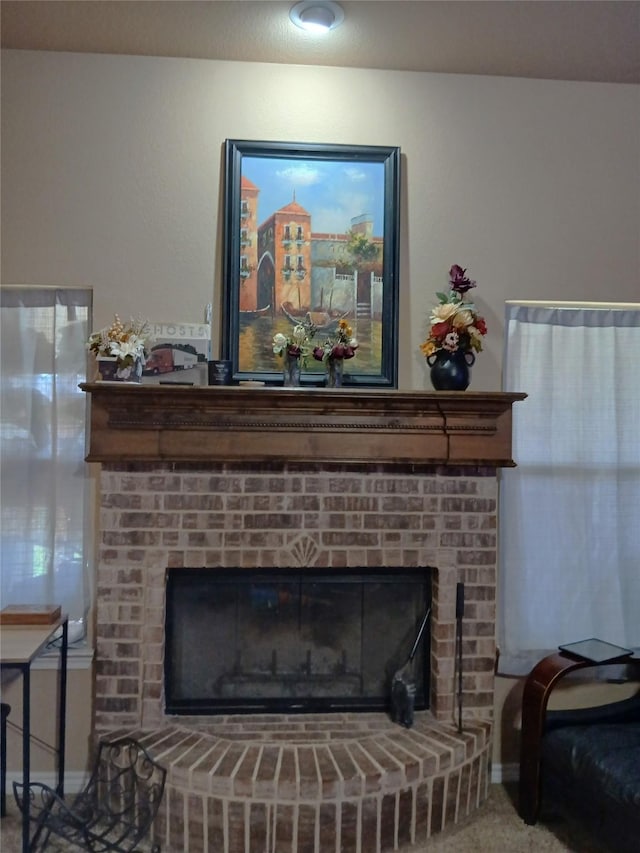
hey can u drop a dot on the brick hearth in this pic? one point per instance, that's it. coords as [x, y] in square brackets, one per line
[330, 783]
[341, 782]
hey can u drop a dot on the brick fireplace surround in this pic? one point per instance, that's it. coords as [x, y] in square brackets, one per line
[260, 478]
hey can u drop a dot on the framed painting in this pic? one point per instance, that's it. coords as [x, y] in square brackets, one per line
[311, 235]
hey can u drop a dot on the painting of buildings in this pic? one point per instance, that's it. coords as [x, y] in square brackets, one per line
[291, 270]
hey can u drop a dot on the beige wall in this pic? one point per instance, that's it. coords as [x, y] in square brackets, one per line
[44, 704]
[112, 176]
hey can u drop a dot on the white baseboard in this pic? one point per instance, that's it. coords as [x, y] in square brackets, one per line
[74, 781]
[503, 773]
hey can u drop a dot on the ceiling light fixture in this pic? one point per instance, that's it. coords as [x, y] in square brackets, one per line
[317, 16]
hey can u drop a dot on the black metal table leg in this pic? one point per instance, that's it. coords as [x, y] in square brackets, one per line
[62, 707]
[21, 644]
[26, 752]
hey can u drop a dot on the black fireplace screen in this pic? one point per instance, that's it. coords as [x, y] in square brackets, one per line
[285, 641]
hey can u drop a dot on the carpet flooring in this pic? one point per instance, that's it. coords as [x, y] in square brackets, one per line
[494, 828]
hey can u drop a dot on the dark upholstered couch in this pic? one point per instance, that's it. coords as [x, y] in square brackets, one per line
[590, 770]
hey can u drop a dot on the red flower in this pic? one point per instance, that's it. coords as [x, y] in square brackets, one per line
[439, 330]
[481, 325]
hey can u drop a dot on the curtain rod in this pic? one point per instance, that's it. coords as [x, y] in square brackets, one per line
[48, 286]
[546, 303]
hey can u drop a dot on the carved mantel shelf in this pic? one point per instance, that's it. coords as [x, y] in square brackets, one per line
[147, 423]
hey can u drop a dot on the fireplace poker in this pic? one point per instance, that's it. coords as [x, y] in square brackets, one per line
[403, 687]
[459, 615]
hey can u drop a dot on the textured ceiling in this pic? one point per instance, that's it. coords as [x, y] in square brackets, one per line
[593, 41]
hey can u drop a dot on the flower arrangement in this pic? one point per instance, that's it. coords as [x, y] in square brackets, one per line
[297, 343]
[455, 323]
[341, 345]
[128, 344]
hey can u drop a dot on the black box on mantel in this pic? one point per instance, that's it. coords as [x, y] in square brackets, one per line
[220, 372]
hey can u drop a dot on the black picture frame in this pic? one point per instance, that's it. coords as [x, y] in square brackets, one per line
[279, 264]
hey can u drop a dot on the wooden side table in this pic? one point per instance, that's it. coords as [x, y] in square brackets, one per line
[537, 689]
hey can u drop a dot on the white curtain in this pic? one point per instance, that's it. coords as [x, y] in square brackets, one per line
[569, 554]
[43, 477]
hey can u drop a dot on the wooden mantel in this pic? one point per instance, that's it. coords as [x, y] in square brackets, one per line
[146, 423]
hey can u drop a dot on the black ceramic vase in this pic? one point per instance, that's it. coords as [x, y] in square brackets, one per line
[450, 371]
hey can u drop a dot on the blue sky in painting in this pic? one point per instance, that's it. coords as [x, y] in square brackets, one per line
[332, 191]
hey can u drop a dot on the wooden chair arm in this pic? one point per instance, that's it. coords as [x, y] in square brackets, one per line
[538, 687]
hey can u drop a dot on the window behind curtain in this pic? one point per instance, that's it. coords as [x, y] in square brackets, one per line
[43, 424]
[570, 511]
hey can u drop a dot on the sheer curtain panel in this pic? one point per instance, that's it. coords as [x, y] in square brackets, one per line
[44, 478]
[569, 532]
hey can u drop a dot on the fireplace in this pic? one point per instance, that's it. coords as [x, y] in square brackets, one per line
[304, 482]
[291, 641]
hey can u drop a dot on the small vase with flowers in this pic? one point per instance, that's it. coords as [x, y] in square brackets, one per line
[333, 352]
[121, 350]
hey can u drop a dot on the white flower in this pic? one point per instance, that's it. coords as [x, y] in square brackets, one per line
[444, 312]
[299, 335]
[279, 343]
[450, 342]
[297, 343]
[120, 341]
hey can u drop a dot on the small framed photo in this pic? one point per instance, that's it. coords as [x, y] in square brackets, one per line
[311, 233]
[179, 353]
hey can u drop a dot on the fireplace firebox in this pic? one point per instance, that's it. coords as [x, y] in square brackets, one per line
[274, 641]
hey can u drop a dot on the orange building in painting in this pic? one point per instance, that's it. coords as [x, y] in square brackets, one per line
[284, 252]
